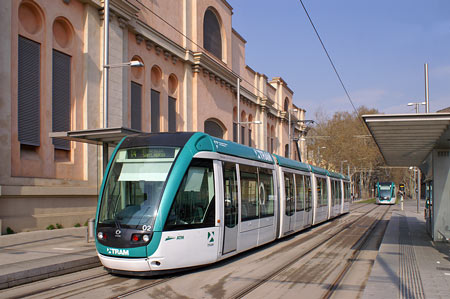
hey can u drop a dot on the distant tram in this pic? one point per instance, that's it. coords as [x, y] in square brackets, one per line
[177, 200]
[386, 193]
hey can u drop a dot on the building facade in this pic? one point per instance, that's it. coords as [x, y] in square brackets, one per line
[51, 71]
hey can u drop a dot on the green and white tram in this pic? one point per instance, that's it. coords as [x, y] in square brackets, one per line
[386, 193]
[177, 200]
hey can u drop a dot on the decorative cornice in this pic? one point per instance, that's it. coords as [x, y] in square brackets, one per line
[122, 22]
[149, 44]
[124, 9]
[207, 62]
[139, 38]
[159, 40]
[174, 59]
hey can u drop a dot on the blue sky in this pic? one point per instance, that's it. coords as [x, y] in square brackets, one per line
[378, 47]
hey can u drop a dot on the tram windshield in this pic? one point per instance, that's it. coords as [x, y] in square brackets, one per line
[134, 185]
[385, 190]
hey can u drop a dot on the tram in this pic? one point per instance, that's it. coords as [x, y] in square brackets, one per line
[171, 201]
[386, 193]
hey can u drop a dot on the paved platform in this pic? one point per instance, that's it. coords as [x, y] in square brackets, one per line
[409, 264]
[31, 256]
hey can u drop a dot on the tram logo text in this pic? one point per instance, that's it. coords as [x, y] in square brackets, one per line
[118, 251]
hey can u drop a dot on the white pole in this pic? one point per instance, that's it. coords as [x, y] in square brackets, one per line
[289, 146]
[238, 111]
[105, 62]
[419, 187]
[105, 79]
[427, 100]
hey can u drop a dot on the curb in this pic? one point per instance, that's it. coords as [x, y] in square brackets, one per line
[43, 272]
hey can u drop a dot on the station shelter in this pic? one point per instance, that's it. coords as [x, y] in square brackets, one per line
[421, 140]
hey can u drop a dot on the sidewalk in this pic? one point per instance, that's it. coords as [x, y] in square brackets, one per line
[31, 256]
[409, 264]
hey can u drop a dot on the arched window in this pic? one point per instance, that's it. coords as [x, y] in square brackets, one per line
[213, 128]
[172, 104]
[137, 81]
[31, 21]
[156, 78]
[212, 39]
[61, 80]
[286, 104]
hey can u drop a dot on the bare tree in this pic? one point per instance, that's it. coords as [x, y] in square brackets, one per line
[343, 141]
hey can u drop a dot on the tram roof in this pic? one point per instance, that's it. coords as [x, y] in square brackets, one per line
[238, 150]
[198, 141]
[337, 175]
[319, 170]
[285, 162]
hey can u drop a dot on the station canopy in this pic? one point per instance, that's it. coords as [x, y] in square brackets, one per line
[407, 139]
[100, 136]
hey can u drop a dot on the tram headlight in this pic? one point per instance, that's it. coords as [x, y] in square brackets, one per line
[101, 236]
[145, 238]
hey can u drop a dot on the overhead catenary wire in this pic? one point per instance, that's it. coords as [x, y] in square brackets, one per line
[200, 47]
[329, 57]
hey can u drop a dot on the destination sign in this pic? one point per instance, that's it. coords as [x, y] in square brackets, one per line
[151, 153]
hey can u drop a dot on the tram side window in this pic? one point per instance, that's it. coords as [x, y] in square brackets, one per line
[300, 191]
[289, 193]
[334, 192]
[347, 192]
[194, 204]
[322, 194]
[308, 193]
[249, 192]
[266, 192]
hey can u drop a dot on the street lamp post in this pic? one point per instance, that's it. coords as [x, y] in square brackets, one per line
[342, 162]
[289, 130]
[417, 104]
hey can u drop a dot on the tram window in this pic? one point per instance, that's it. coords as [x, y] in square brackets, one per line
[266, 192]
[300, 192]
[230, 194]
[322, 193]
[289, 193]
[334, 193]
[249, 192]
[134, 186]
[194, 204]
[308, 193]
[346, 192]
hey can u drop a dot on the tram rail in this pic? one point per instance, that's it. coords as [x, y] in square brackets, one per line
[265, 279]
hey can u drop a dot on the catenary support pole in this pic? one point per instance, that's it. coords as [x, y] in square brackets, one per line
[105, 62]
[427, 100]
[419, 188]
[238, 98]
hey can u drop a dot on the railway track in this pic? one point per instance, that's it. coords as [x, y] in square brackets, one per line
[359, 245]
[247, 291]
[126, 287]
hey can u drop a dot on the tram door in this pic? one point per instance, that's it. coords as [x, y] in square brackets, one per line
[289, 202]
[230, 207]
